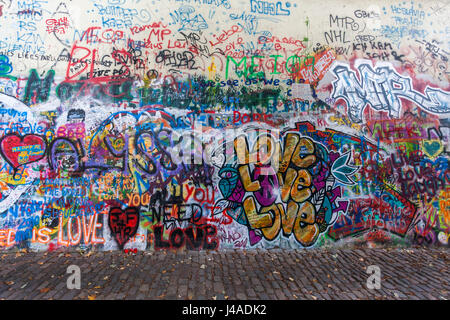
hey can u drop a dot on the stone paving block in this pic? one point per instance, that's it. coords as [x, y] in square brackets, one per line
[241, 296]
[251, 293]
[140, 296]
[69, 295]
[264, 296]
[144, 287]
[280, 294]
[218, 287]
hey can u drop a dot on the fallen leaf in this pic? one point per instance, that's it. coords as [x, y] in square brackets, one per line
[164, 271]
[214, 298]
[44, 290]
[314, 297]
[97, 287]
[202, 266]
[291, 279]
[9, 283]
[92, 297]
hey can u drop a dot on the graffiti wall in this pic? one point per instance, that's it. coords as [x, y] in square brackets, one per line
[219, 124]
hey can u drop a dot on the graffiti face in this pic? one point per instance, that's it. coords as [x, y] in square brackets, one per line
[230, 184]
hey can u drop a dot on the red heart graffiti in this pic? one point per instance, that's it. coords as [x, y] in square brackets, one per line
[19, 150]
[123, 224]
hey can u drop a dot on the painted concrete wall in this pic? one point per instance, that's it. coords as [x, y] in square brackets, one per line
[215, 124]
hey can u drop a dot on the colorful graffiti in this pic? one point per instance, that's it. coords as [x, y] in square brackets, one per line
[304, 186]
[208, 125]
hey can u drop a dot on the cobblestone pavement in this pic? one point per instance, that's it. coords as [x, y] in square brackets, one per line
[416, 273]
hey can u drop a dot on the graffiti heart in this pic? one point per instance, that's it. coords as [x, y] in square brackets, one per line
[432, 148]
[123, 224]
[20, 150]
